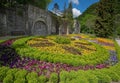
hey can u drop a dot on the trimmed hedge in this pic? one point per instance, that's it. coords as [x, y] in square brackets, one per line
[97, 76]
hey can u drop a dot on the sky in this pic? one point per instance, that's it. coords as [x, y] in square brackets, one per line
[79, 6]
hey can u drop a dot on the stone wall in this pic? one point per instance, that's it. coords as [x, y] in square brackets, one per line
[3, 24]
[12, 22]
[28, 20]
[40, 21]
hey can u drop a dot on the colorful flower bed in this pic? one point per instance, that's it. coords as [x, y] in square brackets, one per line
[37, 64]
[40, 54]
[76, 47]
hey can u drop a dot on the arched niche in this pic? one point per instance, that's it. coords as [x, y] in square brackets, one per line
[40, 27]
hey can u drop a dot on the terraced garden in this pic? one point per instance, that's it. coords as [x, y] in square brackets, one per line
[75, 58]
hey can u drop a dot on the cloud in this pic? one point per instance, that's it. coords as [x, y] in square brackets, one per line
[76, 12]
[74, 1]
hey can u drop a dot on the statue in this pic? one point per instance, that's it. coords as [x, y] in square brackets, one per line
[76, 27]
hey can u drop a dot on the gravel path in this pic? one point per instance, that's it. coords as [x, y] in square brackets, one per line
[8, 37]
[118, 40]
[115, 82]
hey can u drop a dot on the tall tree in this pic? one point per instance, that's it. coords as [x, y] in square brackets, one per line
[105, 18]
[68, 17]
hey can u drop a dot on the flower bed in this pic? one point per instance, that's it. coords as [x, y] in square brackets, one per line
[53, 47]
[56, 53]
[48, 67]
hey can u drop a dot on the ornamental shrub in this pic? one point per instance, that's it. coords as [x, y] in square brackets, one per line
[63, 76]
[81, 79]
[114, 76]
[20, 76]
[8, 79]
[42, 79]
[102, 78]
[91, 77]
[3, 71]
[10, 76]
[62, 40]
[20, 80]
[32, 77]
[53, 78]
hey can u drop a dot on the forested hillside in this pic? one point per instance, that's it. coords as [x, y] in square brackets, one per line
[88, 18]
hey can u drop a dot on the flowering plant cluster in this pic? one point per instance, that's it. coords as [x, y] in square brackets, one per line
[78, 52]
[104, 41]
[8, 56]
[77, 47]
[43, 66]
[46, 68]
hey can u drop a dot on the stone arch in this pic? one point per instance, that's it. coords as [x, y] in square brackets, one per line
[40, 27]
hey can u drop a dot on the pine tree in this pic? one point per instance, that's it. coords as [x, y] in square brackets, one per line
[105, 19]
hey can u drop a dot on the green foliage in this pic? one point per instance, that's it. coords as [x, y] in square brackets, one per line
[87, 23]
[8, 79]
[3, 71]
[63, 76]
[91, 77]
[116, 69]
[117, 50]
[111, 74]
[102, 78]
[20, 42]
[106, 13]
[53, 78]
[77, 76]
[42, 79]
[20, 76]
[21, 80]
[32, 77]
[10, 76]
[88, 16]
[2, 41]
[62, 40]
[104, 22]
[39, 3]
